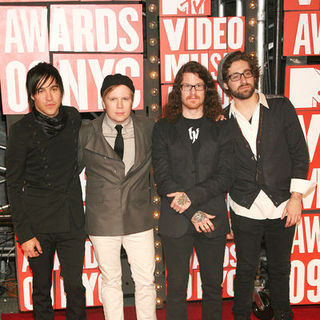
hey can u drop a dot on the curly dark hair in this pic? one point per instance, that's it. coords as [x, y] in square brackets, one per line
[212, 107]
[236, 56]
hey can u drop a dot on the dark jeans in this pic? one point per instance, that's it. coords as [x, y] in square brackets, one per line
[248, 234]
[210, 253]
[70, 249]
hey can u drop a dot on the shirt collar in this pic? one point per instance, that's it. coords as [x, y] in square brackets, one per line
[111, 124]
[262, 100]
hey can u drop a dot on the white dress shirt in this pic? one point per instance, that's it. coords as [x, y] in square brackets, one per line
[262, 207]
[110, 133]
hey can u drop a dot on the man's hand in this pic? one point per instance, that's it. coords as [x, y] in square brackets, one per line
[230, 235]
[201, 221]
[32, 248]
[180, 202]
[293, 210]
[221, 117]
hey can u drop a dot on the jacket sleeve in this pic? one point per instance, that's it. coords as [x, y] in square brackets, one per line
[223, 176]
[297, 145]
[16, 158]
[160, 161]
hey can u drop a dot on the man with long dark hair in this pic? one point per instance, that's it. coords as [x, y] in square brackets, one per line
[44, 191]
[271, 165]
[192, 159]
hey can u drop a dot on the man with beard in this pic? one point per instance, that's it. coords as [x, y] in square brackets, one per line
[192, 159]
[271, 165]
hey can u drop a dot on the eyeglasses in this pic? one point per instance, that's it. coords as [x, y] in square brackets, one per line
[197, 87]
[237, 76]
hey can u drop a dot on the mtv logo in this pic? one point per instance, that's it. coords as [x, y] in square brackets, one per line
[304, 91]
[173, 7]
[304, 2]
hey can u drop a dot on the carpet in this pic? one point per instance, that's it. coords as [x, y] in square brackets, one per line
[311, 312]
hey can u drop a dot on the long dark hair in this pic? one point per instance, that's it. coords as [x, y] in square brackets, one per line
[212, 107]
[38, 75]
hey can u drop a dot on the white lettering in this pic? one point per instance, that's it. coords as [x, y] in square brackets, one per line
[106, 32]
[298, 240]
[36, 29]
[59, 31]
[174, 34]
[312, 234]
[204, 33]
[313, 279]
[308, 199]
[27, 292]
[303, 35]
[218, 33]
[82, 22]
[78, 87]
[297, 278]
[63, 296]
[90, 284]
[315, 27]
[131, 45]
[16, 91]
[235, 33]
[13, 33]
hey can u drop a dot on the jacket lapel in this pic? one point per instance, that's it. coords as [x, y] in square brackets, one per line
[99, 144]
[140, 144]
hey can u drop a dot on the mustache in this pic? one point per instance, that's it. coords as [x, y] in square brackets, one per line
[192, 96]
[245, 85]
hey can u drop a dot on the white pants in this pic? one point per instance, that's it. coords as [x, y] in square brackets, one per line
[141, 257]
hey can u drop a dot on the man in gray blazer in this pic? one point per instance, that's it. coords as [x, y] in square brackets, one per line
[115, 149]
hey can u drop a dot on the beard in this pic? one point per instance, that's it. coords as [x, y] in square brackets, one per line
[193, 102]
[242, 95]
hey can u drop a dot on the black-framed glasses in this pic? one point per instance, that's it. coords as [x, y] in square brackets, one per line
[237, 75]
[197, 87]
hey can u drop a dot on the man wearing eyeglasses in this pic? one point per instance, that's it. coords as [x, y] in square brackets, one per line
[271, 165]
[192, 159]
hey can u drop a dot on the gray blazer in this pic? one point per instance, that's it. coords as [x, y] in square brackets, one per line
[116, 204]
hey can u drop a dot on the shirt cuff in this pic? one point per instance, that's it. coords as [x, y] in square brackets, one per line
[301, 186]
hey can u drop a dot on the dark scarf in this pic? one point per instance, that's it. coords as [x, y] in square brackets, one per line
[51, 126]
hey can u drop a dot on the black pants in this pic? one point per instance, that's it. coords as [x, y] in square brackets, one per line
[248, 234]
[210, 253]
[70, 249]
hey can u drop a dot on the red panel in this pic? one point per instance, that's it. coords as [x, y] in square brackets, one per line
[302, 86]
[305, 262]
[82, 76]
[24, 43]
[96, 28]
[301, 33]
[301, 5]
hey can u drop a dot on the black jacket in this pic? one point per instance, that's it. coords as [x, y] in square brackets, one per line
[42, 177]
[282, 154]
[205, 180]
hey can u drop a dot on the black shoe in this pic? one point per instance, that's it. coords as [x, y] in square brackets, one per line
[283, 315]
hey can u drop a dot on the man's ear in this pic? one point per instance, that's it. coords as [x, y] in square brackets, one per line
[225, 86]
[103, 104]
